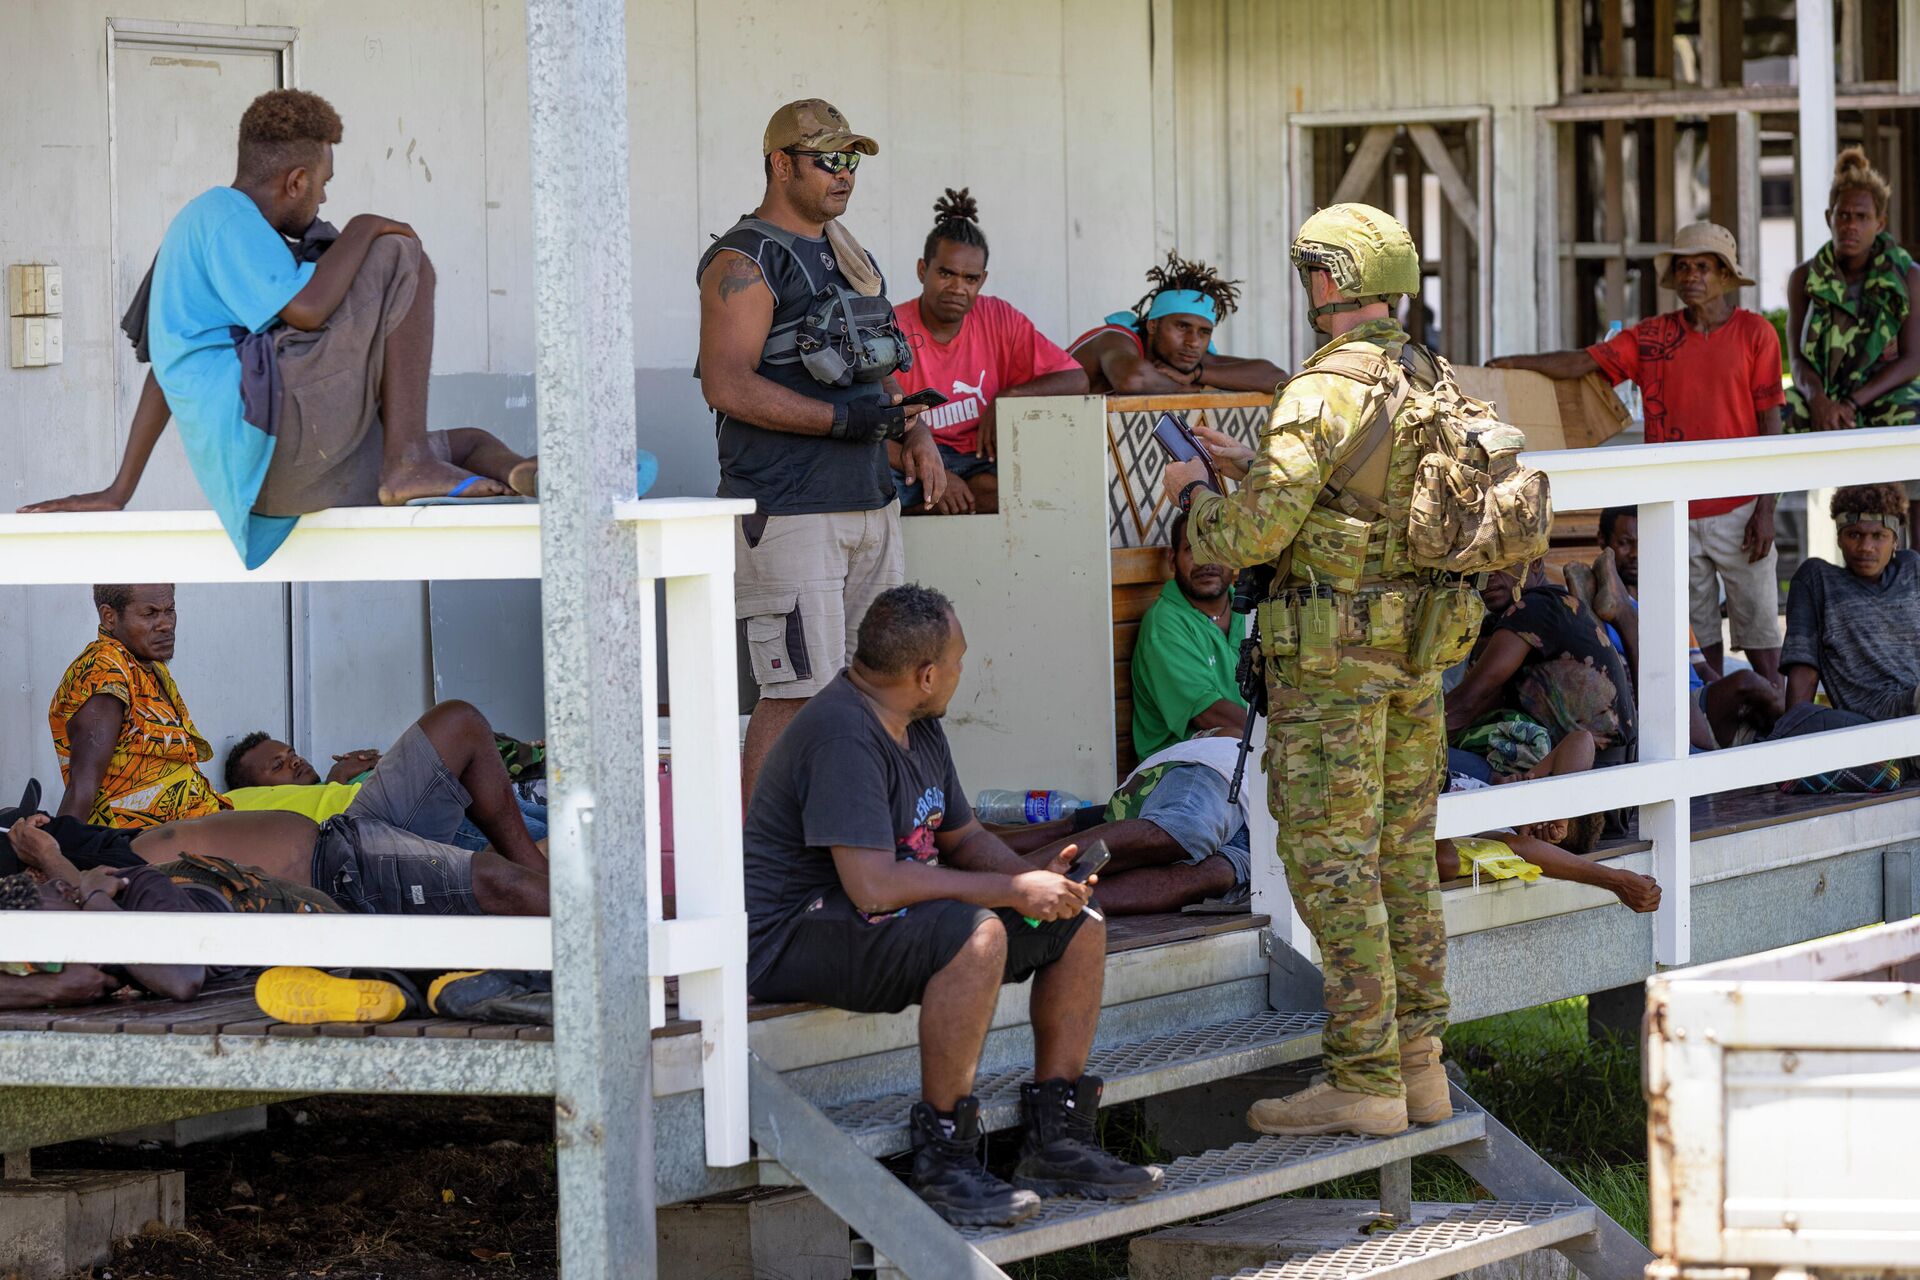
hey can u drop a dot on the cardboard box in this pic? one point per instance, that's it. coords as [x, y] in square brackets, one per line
[1555, 414]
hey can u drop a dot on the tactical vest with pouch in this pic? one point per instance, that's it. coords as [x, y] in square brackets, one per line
[1390, 553]
[843, 338]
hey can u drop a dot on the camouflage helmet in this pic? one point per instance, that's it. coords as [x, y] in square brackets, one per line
[1366, 251]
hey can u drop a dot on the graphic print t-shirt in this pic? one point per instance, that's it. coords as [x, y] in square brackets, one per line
[996, 348]
[836, 777]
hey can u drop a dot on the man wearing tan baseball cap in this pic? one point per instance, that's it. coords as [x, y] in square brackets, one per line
[1709, 371]
[797, 351]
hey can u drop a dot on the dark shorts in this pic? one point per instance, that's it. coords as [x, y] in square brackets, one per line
[964, 465]
[832, 955]
[366, 865]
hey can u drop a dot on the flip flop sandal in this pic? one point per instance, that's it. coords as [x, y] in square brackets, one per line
[453, 497]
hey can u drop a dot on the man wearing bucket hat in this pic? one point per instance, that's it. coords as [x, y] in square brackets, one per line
[798, 349]
[1709, 371]
[1165, 344]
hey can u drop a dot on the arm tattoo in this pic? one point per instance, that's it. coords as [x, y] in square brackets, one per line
[738, 274]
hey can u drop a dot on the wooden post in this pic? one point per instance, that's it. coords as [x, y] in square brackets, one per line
[1663, 159]
[1723, 133]
[1613, 139]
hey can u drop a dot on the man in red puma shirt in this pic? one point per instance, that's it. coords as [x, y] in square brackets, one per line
[974, 350]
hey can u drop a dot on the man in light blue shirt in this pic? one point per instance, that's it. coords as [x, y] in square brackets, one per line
[298, 386]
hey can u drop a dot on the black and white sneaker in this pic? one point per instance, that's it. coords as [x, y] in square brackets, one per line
[1062, 1156]
[948, 1174]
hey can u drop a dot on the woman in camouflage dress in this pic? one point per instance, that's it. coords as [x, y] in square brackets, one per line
[1853, 330]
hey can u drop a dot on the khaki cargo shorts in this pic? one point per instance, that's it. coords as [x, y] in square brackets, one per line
[801, 588]
[326, 452]
[1714, 561]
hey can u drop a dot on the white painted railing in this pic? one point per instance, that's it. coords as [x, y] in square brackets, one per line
[686, 542]
[1660, 479]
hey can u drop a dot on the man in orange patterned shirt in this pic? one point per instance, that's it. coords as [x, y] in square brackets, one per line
[129, 752]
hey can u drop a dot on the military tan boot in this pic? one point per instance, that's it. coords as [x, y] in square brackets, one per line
[1321, 1108]
[1428, 1099]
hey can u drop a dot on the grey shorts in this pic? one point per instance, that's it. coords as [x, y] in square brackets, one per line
[327, 449]
[390, 851]
[1190, 804]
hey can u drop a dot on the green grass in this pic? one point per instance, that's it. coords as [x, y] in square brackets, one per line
[1576, 1101]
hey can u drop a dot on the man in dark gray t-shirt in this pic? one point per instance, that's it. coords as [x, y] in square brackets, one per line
[1855, 630]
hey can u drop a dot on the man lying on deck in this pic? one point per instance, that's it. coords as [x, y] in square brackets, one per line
[1173, 837]
[200, 884]
[871, 887]
[264, 773]
[1176, 840]
[322, 401]
[365, 860]
[53, 883]
[1164, 346]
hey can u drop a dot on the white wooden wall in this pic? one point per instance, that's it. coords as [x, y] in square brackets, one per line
[1044, 108]
[1242, 68]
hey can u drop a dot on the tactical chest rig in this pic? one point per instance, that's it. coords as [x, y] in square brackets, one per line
[1366, 572]
[844, 337]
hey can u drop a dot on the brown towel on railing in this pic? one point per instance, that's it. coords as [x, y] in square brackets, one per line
[854, 263]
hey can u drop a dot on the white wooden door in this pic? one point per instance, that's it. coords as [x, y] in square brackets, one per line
[176, 111]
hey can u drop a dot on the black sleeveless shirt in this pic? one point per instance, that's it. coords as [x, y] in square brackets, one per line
[789, 474]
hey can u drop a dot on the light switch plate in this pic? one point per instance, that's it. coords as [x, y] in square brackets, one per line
[28, 347]
[52, 293]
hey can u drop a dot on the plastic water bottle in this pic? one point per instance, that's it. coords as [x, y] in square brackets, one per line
[1010, 808]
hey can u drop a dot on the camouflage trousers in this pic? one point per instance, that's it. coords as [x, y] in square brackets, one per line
[1355, 762]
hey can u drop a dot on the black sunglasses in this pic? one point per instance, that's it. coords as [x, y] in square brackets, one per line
[829, 161]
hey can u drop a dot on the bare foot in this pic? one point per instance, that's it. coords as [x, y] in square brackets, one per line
[485, 454]
[524, 478]
[1609, 593]
[431, 478]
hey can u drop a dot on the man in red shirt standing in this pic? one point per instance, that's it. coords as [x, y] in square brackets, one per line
[974, 350]
[1709, 371]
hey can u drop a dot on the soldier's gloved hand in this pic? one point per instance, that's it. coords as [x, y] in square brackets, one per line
[868, 421]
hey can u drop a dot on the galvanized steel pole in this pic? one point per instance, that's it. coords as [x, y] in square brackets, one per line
[592, 611]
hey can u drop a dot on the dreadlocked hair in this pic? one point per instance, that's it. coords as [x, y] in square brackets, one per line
[19, 893]
[1182, 273]
[956, 218]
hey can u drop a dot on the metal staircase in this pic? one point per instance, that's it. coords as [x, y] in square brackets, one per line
[834, 1148]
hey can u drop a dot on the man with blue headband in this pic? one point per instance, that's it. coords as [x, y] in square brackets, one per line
[1165, 344]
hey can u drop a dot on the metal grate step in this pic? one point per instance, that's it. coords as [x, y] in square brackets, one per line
[1214, 1181]
[1138, 1069]
[1455, 1241]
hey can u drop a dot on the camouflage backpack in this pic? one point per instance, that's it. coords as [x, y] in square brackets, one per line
[1475, 506]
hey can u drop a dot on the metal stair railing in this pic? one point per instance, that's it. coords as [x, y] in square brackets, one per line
[831, 1151]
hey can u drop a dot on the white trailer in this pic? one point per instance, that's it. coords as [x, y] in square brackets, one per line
[1783, 1110]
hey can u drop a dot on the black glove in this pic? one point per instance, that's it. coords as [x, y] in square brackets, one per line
[868, 421]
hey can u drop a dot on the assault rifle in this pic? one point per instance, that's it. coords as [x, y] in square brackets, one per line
[1249, 589]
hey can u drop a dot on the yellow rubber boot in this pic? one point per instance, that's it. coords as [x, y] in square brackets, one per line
[308, 997]
[1428, 1098]
[1321, 1108]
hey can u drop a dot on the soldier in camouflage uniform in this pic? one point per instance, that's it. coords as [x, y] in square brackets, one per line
[1352, 637]
[1853, 330]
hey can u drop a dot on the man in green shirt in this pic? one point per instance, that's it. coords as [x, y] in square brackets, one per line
[1184, 660]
